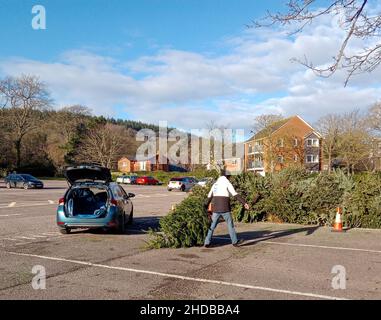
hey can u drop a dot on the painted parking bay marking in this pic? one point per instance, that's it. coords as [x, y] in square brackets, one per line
[263, 240]
[9, 215]
[28, 204]
[32, 237]
[175, 276]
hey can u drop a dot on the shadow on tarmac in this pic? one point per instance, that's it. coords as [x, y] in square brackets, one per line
[254, 237]
[140, 225]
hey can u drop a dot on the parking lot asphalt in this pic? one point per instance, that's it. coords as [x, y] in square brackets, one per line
[277, 261]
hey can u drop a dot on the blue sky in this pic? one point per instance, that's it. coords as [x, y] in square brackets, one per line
[122, 28]
[184, 61]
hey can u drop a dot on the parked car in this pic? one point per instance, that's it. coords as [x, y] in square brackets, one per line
[126, 179]
[93, 201]
[146, 180]
[204, 181]
[25, 181]
[182, 183]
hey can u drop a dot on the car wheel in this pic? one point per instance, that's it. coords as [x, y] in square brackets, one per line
[131, 217]
[169, 189]
[8, 185]
[182, 188]
[65, 230]
[26, 187]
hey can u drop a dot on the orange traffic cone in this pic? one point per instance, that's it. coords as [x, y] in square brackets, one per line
[338, 225]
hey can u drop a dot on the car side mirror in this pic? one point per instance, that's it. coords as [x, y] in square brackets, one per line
[131, 195]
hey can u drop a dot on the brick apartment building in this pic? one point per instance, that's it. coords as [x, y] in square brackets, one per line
[287, 142]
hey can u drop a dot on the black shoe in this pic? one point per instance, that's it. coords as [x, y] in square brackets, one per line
[238, 243]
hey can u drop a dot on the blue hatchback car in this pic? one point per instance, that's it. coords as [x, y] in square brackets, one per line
[25, 181]
[93, 201]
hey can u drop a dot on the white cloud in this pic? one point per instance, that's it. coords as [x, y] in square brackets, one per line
[189, 89]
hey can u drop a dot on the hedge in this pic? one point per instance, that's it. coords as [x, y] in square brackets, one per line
[290, 196]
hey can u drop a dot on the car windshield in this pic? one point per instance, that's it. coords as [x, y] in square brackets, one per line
[177, 179]
[28, 177]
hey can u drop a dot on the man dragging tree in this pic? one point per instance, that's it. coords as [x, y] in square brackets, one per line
[219, 196]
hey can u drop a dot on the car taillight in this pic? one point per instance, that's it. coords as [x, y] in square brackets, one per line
[61, 201]
[113, 202]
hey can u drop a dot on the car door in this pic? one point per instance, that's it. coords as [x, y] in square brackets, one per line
[12, 180]
[193, 182]
[187, 183]
[127, 204]
[19, 182]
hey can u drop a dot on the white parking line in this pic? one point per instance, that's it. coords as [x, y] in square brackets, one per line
[12, 204]
[175, 276]
[321, 247]
[26, 238]
[10, 215]
[51, 233]
[261, 240]
[28, 205]
[32, 237]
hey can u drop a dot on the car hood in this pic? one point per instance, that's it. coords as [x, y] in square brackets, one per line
[87, 173]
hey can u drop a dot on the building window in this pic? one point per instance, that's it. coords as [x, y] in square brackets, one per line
[295, 142]
[124, 164]
[296, 158]
[311, 158]
[312, 142]
[280, 159]
[280, 143]
[142, 165]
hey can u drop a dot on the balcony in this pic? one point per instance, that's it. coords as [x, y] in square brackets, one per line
[256, 165]
[255, 149]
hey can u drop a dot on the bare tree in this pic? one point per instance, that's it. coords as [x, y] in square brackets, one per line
[217, 144]
[374, 118]
[24, 97]
[65, 127]
[329, 127]
[357, 22]
[103, 144]
[355, 143]
[69, 118]
[264, 121]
